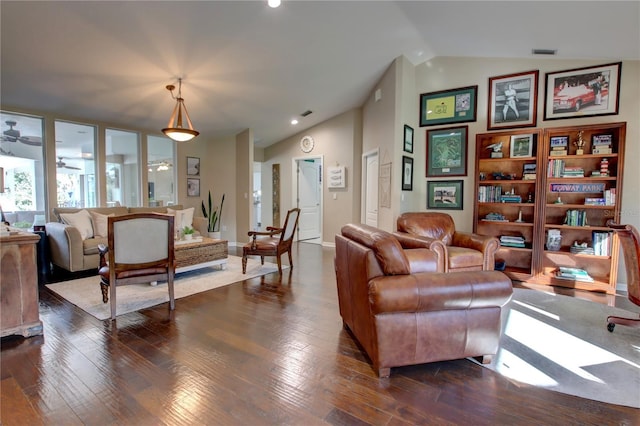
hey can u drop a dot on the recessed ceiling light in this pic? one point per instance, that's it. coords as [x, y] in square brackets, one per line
[273, 3]
[294, 121]
[544, 51]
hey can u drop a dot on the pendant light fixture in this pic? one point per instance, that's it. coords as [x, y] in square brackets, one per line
[174, 129]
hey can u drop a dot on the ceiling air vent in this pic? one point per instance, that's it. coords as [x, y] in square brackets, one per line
[304, 114]
[544, 51]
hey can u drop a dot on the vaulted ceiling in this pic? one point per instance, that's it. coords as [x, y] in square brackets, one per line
[246, 65]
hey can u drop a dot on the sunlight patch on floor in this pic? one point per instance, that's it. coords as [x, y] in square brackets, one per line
[557, 346]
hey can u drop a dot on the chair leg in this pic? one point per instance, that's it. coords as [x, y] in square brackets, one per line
[112, 290]
[262, 260]
[290, 258]
[384, 372]
[104, 288]
[279, 264]
[244, 263]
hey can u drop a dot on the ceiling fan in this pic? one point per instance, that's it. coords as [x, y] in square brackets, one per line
[13, 135]
[62, 165]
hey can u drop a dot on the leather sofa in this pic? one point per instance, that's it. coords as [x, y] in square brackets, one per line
[462, 251]
[403, 311]
[70, 251]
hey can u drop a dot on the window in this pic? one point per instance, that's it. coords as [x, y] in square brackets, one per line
[22, 192]
[160, 160]
[75, 165]
[122, 168]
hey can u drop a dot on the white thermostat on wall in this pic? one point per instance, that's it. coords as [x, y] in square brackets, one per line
[306, 144]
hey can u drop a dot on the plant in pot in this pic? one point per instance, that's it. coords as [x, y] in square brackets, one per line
[213, 216]
[187, 232]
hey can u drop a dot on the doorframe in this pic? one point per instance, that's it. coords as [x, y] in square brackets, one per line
[294, 188]
[363, 189]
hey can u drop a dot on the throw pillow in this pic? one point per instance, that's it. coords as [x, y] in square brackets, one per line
[183, 217]
[100, 224]
[81, 221]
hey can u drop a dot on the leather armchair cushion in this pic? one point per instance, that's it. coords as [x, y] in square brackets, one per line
[386, 248]
[460, 257]
[421, 260]
[424, 292]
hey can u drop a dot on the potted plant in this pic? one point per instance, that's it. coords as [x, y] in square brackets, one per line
[214, 217]
[187, 232]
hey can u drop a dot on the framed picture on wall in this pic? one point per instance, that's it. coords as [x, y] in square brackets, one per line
[447, 152]
[444, 194]
[513, 101]
[193, 187]
[408, 139]
[448, 106]
[193, 166]
[407, 173]
[582, 92]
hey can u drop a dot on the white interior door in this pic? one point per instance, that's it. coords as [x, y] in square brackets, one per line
[309, 198]
[371, 189]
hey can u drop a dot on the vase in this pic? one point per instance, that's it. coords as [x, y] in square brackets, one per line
[187, 237]
[214, 235]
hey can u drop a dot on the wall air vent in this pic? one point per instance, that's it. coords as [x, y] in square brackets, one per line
[544, 51]
[304, 114]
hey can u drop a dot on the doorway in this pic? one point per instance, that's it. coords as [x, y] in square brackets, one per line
[370, 188]
[307, 183]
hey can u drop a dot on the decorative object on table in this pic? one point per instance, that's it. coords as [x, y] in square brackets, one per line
[187, 232]
[408, 139]
[513, 101]
[582, 92]
[445, 194]
[521, 146]
[554, 240]
[213, 214]
[448, 106]
[496, 149]
[447, 152]
[407, 173]
[558, 200]
[601, 144]
[559, 146]
[193, 166]
[193, 187]
[579, 143]
[337, 177]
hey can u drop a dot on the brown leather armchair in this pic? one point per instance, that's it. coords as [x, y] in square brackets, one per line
[403, 312]
[462, 251]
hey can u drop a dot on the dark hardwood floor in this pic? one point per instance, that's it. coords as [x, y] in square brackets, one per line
[261, 351]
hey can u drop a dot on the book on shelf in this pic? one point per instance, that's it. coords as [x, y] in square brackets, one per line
[576, 274]
[601, 150]
[601, 241]
[610, 197]
[510, 199]
[573, 171]
[595, 202]
[576, 218]
[512, 241]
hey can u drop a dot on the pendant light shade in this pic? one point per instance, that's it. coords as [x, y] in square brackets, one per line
[174, 129]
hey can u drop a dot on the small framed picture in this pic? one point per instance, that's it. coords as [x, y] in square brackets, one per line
[193, 187]
[407, 173]
[447, 152]
[521, 146]
[604, 140]
[408, 139]
[193, 166]
[513, 101]
[582, 92]
[559, 142]
[444, 194]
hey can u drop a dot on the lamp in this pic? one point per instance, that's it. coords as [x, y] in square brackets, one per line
[174, 129]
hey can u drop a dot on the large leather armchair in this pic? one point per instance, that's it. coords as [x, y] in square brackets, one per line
[403, 312]
[462, 251]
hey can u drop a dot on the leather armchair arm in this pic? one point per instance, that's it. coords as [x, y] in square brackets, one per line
[485, 244]
[65, 245]
[411, 241]
[425, 292]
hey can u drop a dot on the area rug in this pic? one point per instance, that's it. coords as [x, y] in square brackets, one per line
[562, 343]
[85, 292]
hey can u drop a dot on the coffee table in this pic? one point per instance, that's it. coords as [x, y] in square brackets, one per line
[200, 253]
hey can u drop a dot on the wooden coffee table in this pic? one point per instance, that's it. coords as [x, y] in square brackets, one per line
[205, 252]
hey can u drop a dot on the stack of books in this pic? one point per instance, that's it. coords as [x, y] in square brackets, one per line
[556, 166]
[572, 172]
[529, 172]
[575, 274]
[512, 241]
[576, 218]
[601, 144]
[510, 198]
[582, 248]
[610, 197]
